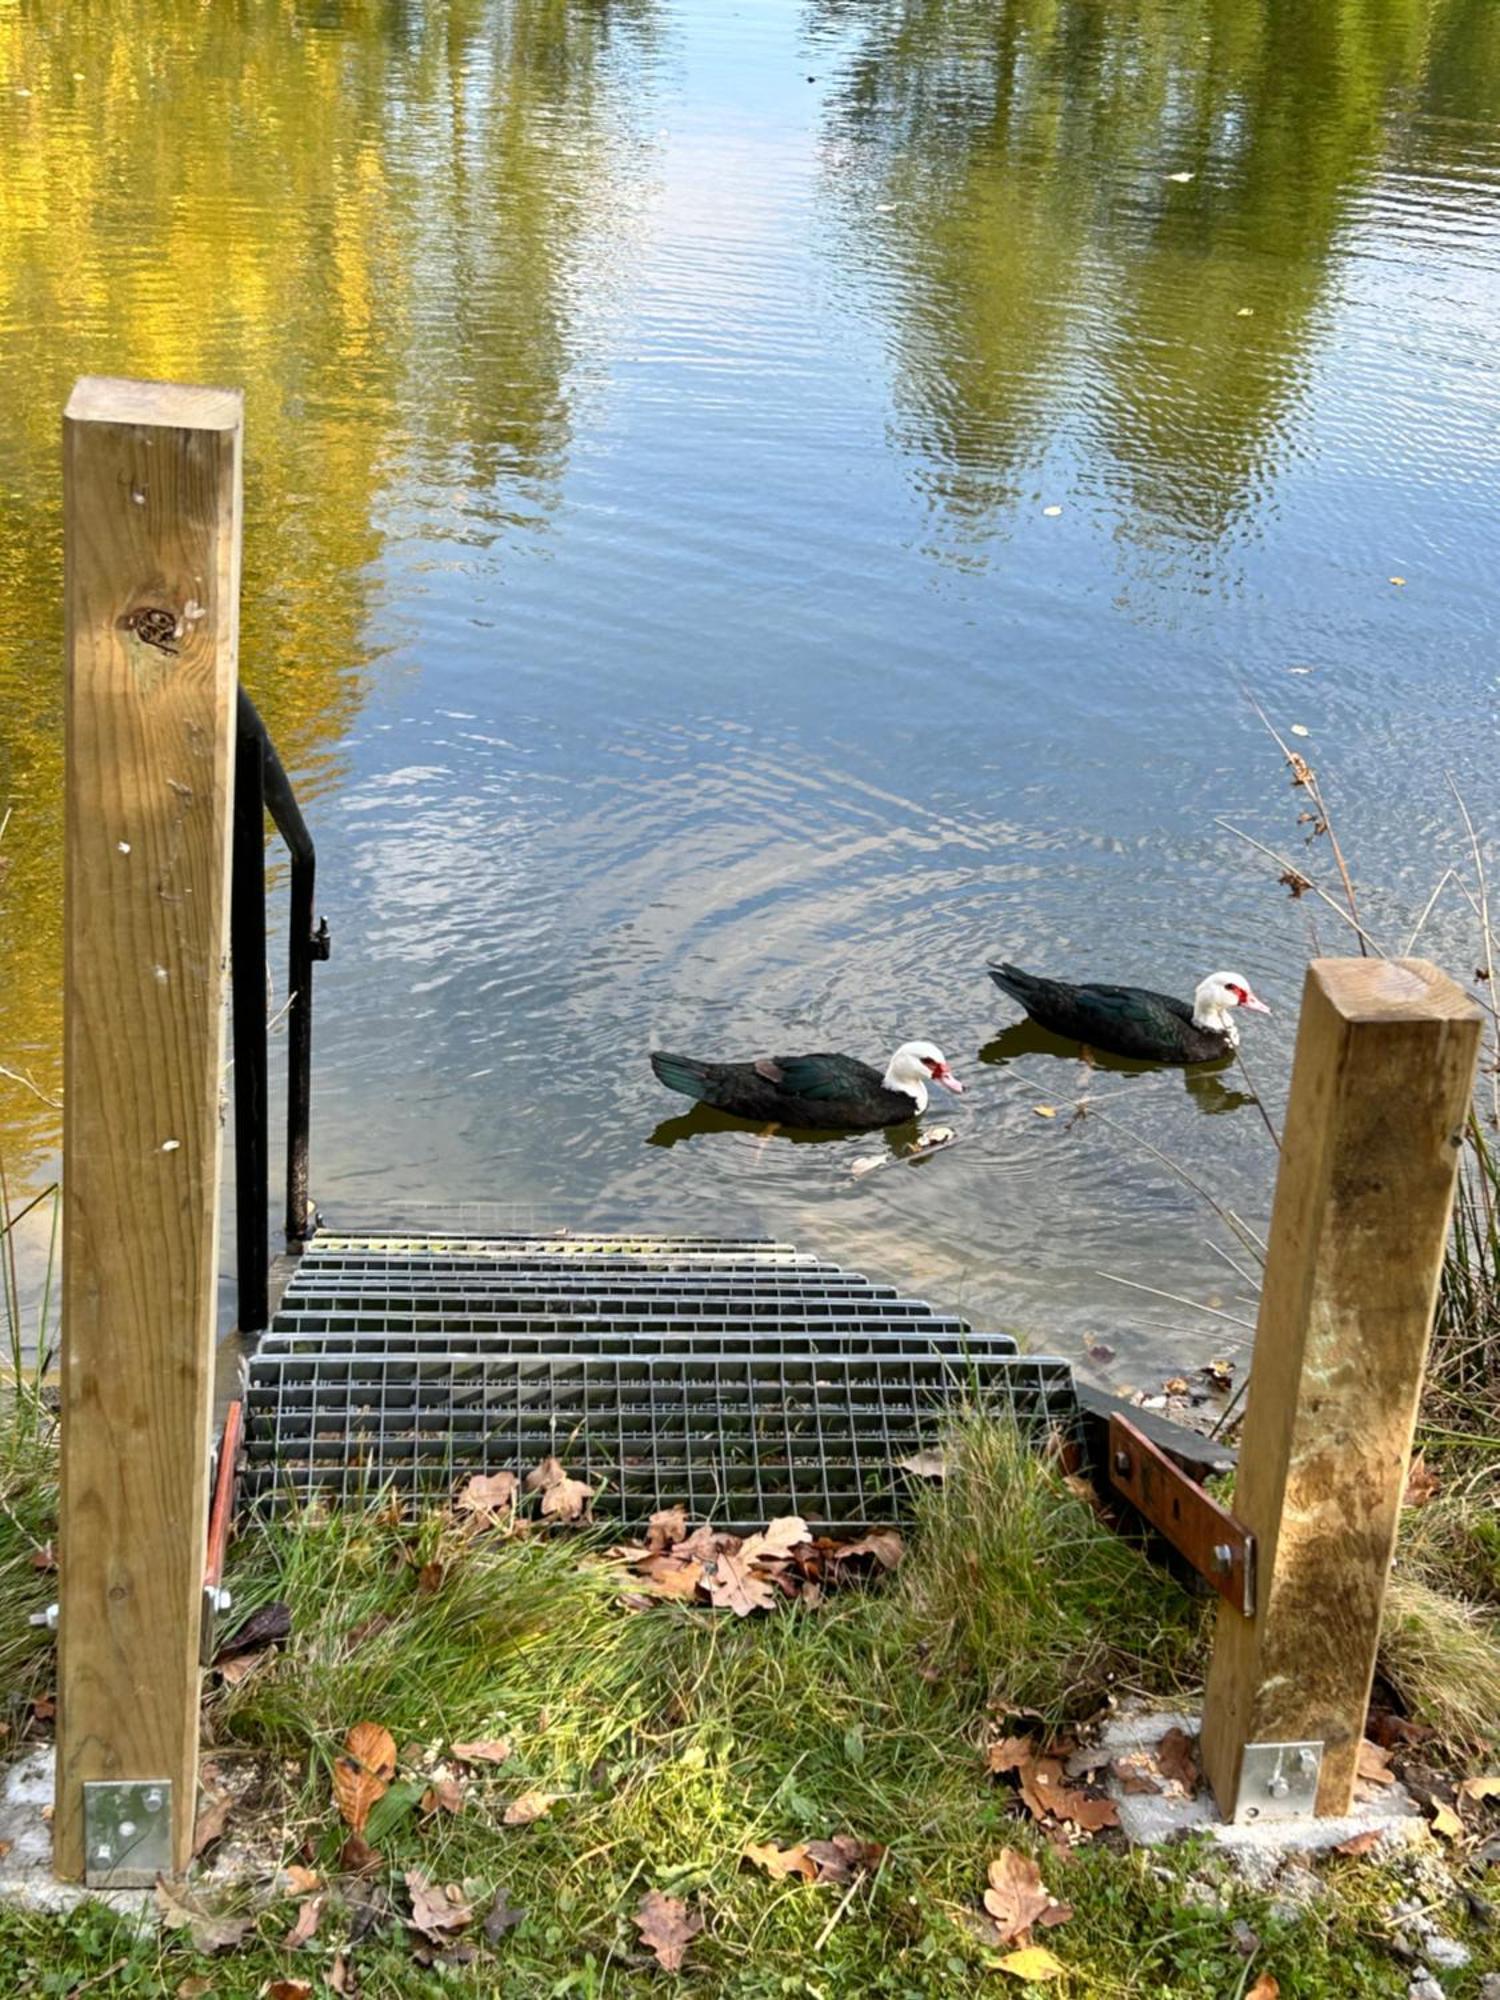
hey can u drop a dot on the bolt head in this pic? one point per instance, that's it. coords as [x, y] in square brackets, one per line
[1223, 1556]
[1122, 1461]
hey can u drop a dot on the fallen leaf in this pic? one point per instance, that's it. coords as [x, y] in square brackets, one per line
[1300, 729]
[1033, 1962]
[289, 1989]
[367, 1628]
[430, 1579]
[1174, 1759]
[1134, 1775]
[443, 1795]
[529, 1806]
[1245, 312]
[1445, 1821]
[1052, 512]
[213, 1817]
[1099, 1351]
[665, 1528]
[927, 1464]
[501, 1917]
[43, 1558]
[357, 1857]
[485, 1750]
[1045, 1793]
[437, 1913]
[670, 1576]
[241, 1666]
[779, 1538]
[1421, 1484]
[488, 1494]
[1359, 1843]
[1398, 579]
[266, 1627]
[363, 1773]
[308, 1914]
[342, 1977]
[1485, 1787]
[563, 1499]
[1180, 177]
[1009, 1754]
[194, 1986]
[209, 1933]
[1017, 1898]
[1374, 1764]
[733, 1586]
[1044, 1110]
[779, 1862]
[1267, 1987]
[1176, 1385]
[884, 1544]
[667, 1927]
[843, 1857]
[301, 1881]
[44, 1708]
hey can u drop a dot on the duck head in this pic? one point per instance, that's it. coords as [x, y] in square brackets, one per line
[1216, 999]
[914, 1066]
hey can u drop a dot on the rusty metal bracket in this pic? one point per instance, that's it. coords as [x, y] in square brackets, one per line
[1206, 1534]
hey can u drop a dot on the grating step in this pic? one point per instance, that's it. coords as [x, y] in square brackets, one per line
[286, 1344]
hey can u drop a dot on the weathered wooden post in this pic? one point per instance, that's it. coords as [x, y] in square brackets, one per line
[151, 488]
[1381, 1083]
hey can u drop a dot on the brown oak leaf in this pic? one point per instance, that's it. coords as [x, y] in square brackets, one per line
[1017, 1898]
[488, 1494]
[843, 1857]
[1133, 1774]
[438, 1914]
[529, 1806]
[563, 1499]
[1175, 1761]
[213, 1817]
[363, 1773]
[209, 1933]
[670, 1576]
[732, 1586]
[665, 1528]
[1009, 1754]
[667, 1927]
[779, 1862]
[884, 1544]
[484, 1750]
[780, 1537]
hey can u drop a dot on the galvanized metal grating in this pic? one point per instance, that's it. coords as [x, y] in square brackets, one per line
[740, 1403]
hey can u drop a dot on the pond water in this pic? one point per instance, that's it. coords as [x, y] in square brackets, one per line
[754, 509]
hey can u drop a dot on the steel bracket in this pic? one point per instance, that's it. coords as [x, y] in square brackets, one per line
[1204, 1533]
[127, 1832]
[1278, 1781]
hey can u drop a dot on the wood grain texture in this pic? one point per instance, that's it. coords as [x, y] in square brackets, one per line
[1381, 1085]
[152, 512]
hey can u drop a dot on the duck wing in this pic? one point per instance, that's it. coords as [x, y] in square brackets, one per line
[809, 1090]
[1126, 1020]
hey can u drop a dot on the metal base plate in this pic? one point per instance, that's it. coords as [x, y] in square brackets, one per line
[1278, 1781]
[127, 1833]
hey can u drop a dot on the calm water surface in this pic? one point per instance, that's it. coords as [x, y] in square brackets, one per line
[752, 509]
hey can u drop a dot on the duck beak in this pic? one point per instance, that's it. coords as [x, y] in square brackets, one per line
[1255, 1006]
[948, 1080]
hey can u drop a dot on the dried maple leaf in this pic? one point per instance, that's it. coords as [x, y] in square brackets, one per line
[843, 1857]
[308, 1913]
[363, 1773]
[667, 1927]
[665, 1528]
[488, 1494]
[779, 1862]
[732, 1586]
[209, 1933]
[1374, 1764]
[437, 1913]
[485, 1750]
[529, 1806]
[213, 1817]
[1174, 1759]
[1017, 1898]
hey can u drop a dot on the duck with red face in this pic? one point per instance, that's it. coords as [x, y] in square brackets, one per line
[1134, 1021]
[814, 1092]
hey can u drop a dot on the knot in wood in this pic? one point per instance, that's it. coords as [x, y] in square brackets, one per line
[153, 626]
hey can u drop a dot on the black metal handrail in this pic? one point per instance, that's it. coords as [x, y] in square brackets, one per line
[261, 786]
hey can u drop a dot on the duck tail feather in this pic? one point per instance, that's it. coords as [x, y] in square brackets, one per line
[682, 1073]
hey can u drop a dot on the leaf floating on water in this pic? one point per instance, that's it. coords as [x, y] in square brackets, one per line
[1052, 512]
[1245, 312]
[867, 1165]
[1300, 729]
[1181, 177]
[1044, 1110]
[1399, 581]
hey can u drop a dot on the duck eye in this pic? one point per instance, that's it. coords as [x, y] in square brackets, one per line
[929, 1065]
[1239, 992]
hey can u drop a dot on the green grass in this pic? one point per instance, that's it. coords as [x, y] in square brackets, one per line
[676, 1736]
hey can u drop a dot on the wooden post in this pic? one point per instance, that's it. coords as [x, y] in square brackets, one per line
[151, 494]
[1381, 1084]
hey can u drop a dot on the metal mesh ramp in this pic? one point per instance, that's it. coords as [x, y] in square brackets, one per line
[740, 1377]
